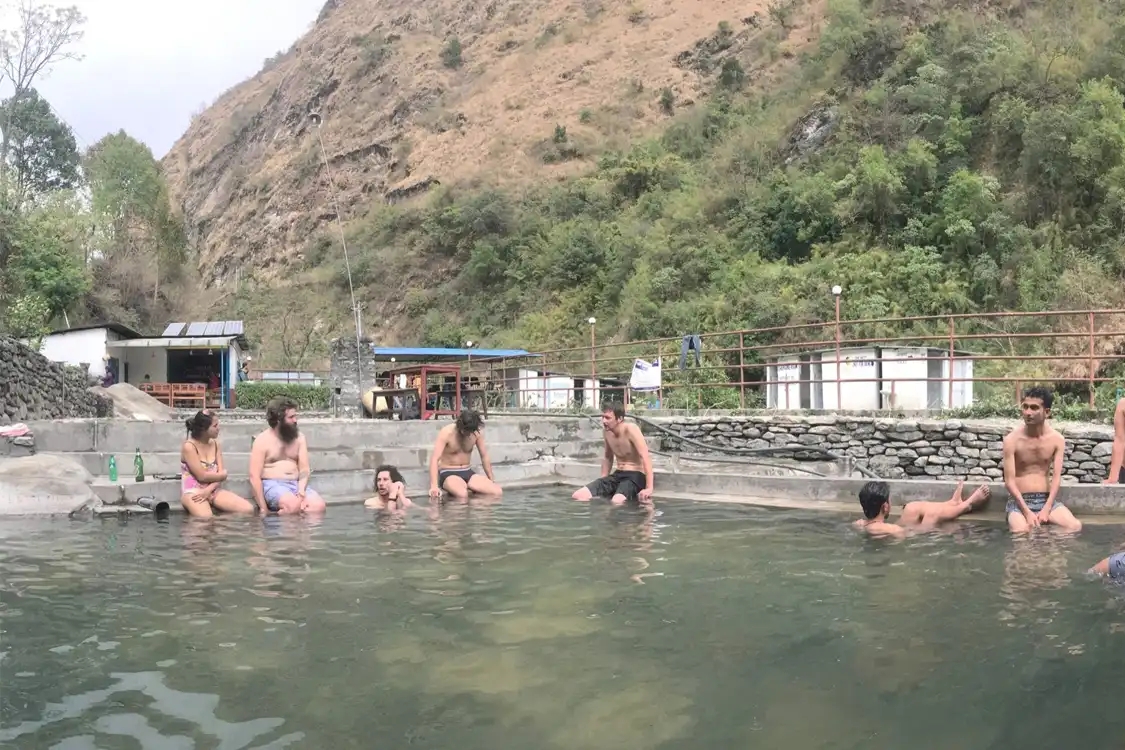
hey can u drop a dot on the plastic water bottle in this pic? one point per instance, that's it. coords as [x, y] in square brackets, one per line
[139, 466]
[112, 469]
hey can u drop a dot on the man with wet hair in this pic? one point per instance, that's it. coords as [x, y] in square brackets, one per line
[875, 499]
[1031, 451]
[449, 462]
[279, 464]
[390, 490]
[624, 444]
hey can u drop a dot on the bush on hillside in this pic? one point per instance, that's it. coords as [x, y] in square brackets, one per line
[256, 394]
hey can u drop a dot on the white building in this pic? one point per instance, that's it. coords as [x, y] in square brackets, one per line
[86, 345]
[204, 352]
[870, 378]
[535, 389]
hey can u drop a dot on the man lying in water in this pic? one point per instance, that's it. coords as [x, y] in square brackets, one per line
[1113, 566]
[390, 490]
[875, 497]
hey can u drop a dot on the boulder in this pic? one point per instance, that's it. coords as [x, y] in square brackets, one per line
[43, 485]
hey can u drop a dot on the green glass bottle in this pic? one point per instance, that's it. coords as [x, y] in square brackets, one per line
[139, 466]
[112, 469]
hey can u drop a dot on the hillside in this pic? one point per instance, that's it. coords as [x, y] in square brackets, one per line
[403, 112]
[930, 156]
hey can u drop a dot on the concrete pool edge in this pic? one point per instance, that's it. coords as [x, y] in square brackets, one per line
[1100, 503]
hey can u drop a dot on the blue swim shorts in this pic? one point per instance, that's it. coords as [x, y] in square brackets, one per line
[1035, 502]
[275, 489]
[1117, 566]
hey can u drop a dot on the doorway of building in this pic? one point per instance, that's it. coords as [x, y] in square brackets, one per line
[196, 366]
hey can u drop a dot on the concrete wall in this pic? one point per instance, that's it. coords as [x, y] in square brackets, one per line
[33, 387]
[895, 448]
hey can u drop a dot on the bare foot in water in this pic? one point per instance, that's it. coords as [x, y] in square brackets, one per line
[979, 497]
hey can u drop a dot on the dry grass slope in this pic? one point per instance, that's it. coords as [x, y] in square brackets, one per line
[402, 108]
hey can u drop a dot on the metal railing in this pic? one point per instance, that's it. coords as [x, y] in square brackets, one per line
[965, 356]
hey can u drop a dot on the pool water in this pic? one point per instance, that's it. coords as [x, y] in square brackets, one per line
[537, 622]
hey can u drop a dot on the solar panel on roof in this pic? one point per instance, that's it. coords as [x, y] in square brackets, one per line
[232, 328]
[214, 328]
[196, 329]
[173, 329]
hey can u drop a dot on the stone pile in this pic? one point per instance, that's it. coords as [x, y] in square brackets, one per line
[893, 448]
[33, 387]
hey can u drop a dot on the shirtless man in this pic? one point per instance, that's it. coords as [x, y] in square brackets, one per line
[390, 491]
[1030, 451]
[449, 463]
[1117, 460]
[875, 498]
[625, 444]
[279, 464]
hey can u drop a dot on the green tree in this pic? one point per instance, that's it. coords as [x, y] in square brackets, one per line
[47, 262]
[41, 36]
[42, 153]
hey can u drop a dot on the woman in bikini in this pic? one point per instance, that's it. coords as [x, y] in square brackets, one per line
[202, 473]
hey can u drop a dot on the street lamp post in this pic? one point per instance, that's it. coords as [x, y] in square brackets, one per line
[836, 292]
[593, 363]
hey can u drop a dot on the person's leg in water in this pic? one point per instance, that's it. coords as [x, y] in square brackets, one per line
[1112, 566]
[228, 502]
[921, 513]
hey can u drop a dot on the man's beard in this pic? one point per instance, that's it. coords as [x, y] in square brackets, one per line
[288, 432]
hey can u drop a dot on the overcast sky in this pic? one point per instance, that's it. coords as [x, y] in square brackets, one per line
[150, 64]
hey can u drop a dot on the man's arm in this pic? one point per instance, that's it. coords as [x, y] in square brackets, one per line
[482, 449]
[607, 460]
[1010, 474]
[439, 446]
[257, 463]
[303, 470]
[641, 446]
[1118, 458]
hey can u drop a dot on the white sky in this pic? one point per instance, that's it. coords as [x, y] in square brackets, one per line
[150, 64]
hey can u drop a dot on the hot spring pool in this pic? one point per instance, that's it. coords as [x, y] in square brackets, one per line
[537, 622]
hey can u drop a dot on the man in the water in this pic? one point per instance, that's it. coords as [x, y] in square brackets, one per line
[1031, 451]
[449, 463]
[390, 490]
[1117, 459]
[1113, 566]
[875, 499]
[625, 444]
[279, 464]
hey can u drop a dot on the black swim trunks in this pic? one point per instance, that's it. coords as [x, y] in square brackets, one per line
[444, 474]
[627, 483]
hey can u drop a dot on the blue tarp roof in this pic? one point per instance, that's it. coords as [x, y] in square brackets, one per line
[426, 354]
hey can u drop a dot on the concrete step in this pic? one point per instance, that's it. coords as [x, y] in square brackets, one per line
[841, 492]
[342, 460]
[119, 436]
[334, 486]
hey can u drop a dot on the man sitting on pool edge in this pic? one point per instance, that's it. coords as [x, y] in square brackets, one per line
[279, 464]
[1032, 451]
[875, 498]
[625, 444]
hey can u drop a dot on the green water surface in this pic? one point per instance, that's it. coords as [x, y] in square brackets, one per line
[537, 622]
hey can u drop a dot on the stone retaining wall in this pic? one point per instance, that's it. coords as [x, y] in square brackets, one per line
[33, 387]
[345, 373]
[922, 449]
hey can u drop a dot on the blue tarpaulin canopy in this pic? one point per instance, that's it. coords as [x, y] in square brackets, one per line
[426, 354]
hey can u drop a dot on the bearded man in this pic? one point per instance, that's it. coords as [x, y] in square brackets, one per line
[279, 464]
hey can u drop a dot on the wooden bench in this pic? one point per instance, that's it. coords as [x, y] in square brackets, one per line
[189, 394]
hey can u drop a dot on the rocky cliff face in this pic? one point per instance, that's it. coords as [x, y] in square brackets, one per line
[412, 93]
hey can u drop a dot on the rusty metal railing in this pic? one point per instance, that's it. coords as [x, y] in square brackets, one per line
[742, 368]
